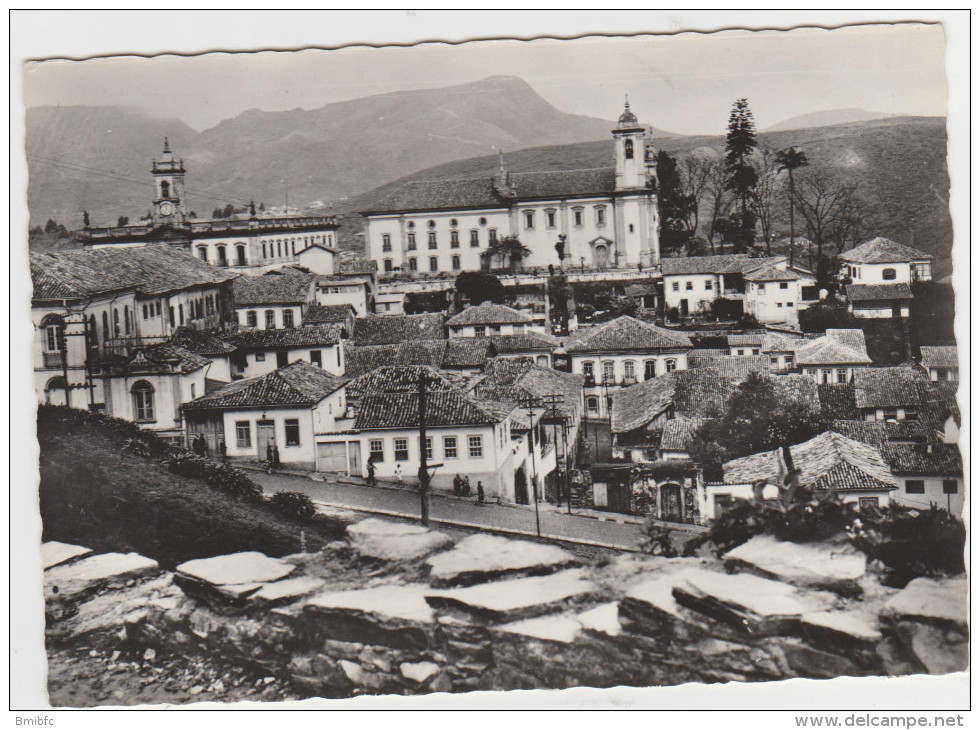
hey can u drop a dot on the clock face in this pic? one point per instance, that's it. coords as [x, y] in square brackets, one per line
[167, 208]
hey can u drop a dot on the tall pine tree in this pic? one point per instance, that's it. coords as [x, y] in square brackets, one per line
[741, 174]
[673, 205]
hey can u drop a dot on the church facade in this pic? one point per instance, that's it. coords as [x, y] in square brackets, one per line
[600, 218]
[250, 244]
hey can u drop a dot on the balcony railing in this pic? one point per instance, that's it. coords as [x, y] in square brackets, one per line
[54, 360]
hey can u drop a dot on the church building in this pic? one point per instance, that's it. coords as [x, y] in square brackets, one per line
[251, 243]
[601, 218]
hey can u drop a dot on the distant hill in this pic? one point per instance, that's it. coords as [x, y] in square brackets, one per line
[899, 163]
[829, 117]
[92, 155]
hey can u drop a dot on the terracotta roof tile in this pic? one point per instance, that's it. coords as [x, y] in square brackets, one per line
[390, 329]
[877, 292]
[527, 342]
[883, 251]
[298, 384]
[923, 459]
[626, 334]
[202, 343]
[733, 366]
[837, 401]
[282, 286]
[887, 387]
[443, 408]
[836, 347]
[488, 313]
[939, 356]
[679, 432]
[723, 264]
[327, 314]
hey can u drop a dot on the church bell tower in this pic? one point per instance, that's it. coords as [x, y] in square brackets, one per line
[629, 136]
[168, 179]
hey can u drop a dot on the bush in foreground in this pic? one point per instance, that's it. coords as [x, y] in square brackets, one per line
[294, 505]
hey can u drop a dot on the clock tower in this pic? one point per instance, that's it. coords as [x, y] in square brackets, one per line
[168, 179]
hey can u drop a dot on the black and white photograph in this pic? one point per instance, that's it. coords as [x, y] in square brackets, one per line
[463, 365]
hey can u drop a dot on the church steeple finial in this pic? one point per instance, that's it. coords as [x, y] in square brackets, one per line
[166, 146]
[627, 102]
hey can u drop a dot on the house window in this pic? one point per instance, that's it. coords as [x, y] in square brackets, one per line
[608, 371]
[316, 358]
[222, 256]
[386, 242]
[454, 239]
[202, 252]
[550, 218]
[600, 216]
[377, 450]
[115, 319]
[434, 264]
[401, 449]
[493, 235]
[649, 369]
[428, 448]
[479, 330]
[688, 286]
[762, 288]
[432, 240]
[740, 352]
[841, 375]
[476, 447]
[588, 370]
[493, 329]
[675, 286]
[950, 486]
[143, 401]
[789, 305]
[592, 404]
[243, 434]
[529, 219]
[388, 266]
[915, 486]
[126, 313]
[259, 357]
[251, 318]
[413, 264]
[449, 448]
[180, 311]
[292, 432]
[784, 285]
[577, 216]
[755, 350]
[53, 337]
[193, 391]
[629, 370]
[670, 365]
[483, 221]
[708, 285]
[890, 414]
[431, 224]
[287, 318]
[888, 274]
[779, 305]
[474, 238]
[456, 264]
[240, 255]
[270, 319]
[411, 241]
[867, 503]
[774, 361]
[826, 376]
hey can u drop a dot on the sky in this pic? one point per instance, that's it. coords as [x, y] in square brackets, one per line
[681, 83]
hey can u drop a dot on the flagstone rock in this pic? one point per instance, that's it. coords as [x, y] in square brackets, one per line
[820, 565]
[519, 598]
[236, 569]
[385, 540]
[603, 619]
[390, 615]
[841, 627]
[756, 605]
[482, 558]
[55, 553]
[73, 581]
[418, 672]
[925, 599]
[286, 591]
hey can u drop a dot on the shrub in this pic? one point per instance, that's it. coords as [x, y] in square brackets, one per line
[293, 505]
[656, 539]
[226, 478]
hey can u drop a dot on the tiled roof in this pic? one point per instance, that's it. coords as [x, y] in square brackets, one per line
[282, 286]
[389, 329]
[626, 334]
[732, 366]
[151, 270]
[939, 402]
[357, 266]
[679, 432]
[883, 251]
[877, 433]
[923, 459]
[703, 352]
[487, 313]
[837, 401]
[701, 393]
[636, 406]
[162, 358]
[327, 314]
[724, 264]
[396, 379]
[563, 183]
[468, 352]
[751, 339]
[836, 347]
[887, 387]
[777, 342]
[202, 343]
[939, 356]
[641, 290]
[799, 388]
[877, 292]
[771, 273]
[442, 408]
[298, 384]
[827, 461]
[527, 342]
[532, 379]
[312, 336]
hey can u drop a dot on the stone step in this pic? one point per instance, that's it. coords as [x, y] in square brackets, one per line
[385, 540]
[56, 553]
[391, 615]
[483, 558]
[75, 580]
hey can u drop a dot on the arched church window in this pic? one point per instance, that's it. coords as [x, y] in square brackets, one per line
[629, 149]
[164, 189]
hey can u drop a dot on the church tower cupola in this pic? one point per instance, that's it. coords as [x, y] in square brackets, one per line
[168, 179]
[630, 136]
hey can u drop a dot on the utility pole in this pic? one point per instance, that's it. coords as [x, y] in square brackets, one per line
[530, 403]
[425, 477]
[551, 402]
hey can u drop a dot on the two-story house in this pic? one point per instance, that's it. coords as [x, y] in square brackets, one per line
[488, 319]
[940, 362]
[881, 261]
[837, 357]
[277, 299]
[889, 394]
[261, 351]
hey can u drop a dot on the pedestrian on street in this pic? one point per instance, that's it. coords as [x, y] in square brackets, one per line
[370, 471]
[268, 453]
[276, 464]
[457, 485]
[204, 446]
[196, 445]
[466, 486]
[398, 472]
[223, 451]
[480, 496]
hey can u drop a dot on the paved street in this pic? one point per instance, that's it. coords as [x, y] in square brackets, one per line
[404, 502]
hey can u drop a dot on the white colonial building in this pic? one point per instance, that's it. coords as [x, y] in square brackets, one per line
[881, 261]
[603, 218]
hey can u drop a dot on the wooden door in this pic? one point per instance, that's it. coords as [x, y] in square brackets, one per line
[684, 308]
[670, 503]
[265, 433]
[282, 359]
[618, 494]
[354, 458]
[331, 458]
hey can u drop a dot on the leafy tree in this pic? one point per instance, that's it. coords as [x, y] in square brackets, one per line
[821, 200]
[508, 250]
[479, 286]
[696, 171]
[673, 204]
[764, 195]
[719, 200]
[742, 177]
[789, 160]
[52, 227]
[122, 221]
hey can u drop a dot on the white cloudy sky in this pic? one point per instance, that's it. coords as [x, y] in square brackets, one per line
[683, 83]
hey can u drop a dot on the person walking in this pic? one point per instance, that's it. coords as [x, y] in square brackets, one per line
[268, 455]
[370, 471]
[196, 445]
[276, 464]
[398, 472]
[223, 451]
[466, 486]
[480, 496]
[457, 485]
[204, 446]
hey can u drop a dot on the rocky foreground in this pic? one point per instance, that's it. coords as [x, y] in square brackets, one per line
[402, 609]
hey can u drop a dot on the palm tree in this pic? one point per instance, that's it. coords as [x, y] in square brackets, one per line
[789, 160]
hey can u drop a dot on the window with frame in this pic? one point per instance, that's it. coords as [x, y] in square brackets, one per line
[629, 370]
[670, 365]
[259, 357]
[608, 371]
[774, 361]
[53, 341]
[292, 432]
[492, 233]
[474, 238]
[950, 486]
[243, 434]
[493, 329]
[629, 149]
[454, 239]
[550, 218]
[577, 216]
[376, 451]
[779, 305]
[600, 216]
[456, 263]
[385, 243]
[411, 241]
[413, 264]
[449, 447]
[890, 414]
[915, 486]
[388, 266]
[251, 318]
[287, 318]
[316, 358]
[688, 286]
[708, 285]
[867, 504]
[592, 404]
[588, 370]
[888, 274]
[432, 240]
[755, 350]
[401, 449]
[479, 330]
[761, 288]
[529, 219]
[826, 376]
[476, 447]
[784, 285]
[143, 401]
[842, 375]
[433, 264]
[428, 448]
[649, 369]
[270, 319]
[675, 286]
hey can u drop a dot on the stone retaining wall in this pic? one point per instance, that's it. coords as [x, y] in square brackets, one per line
[490, 613]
